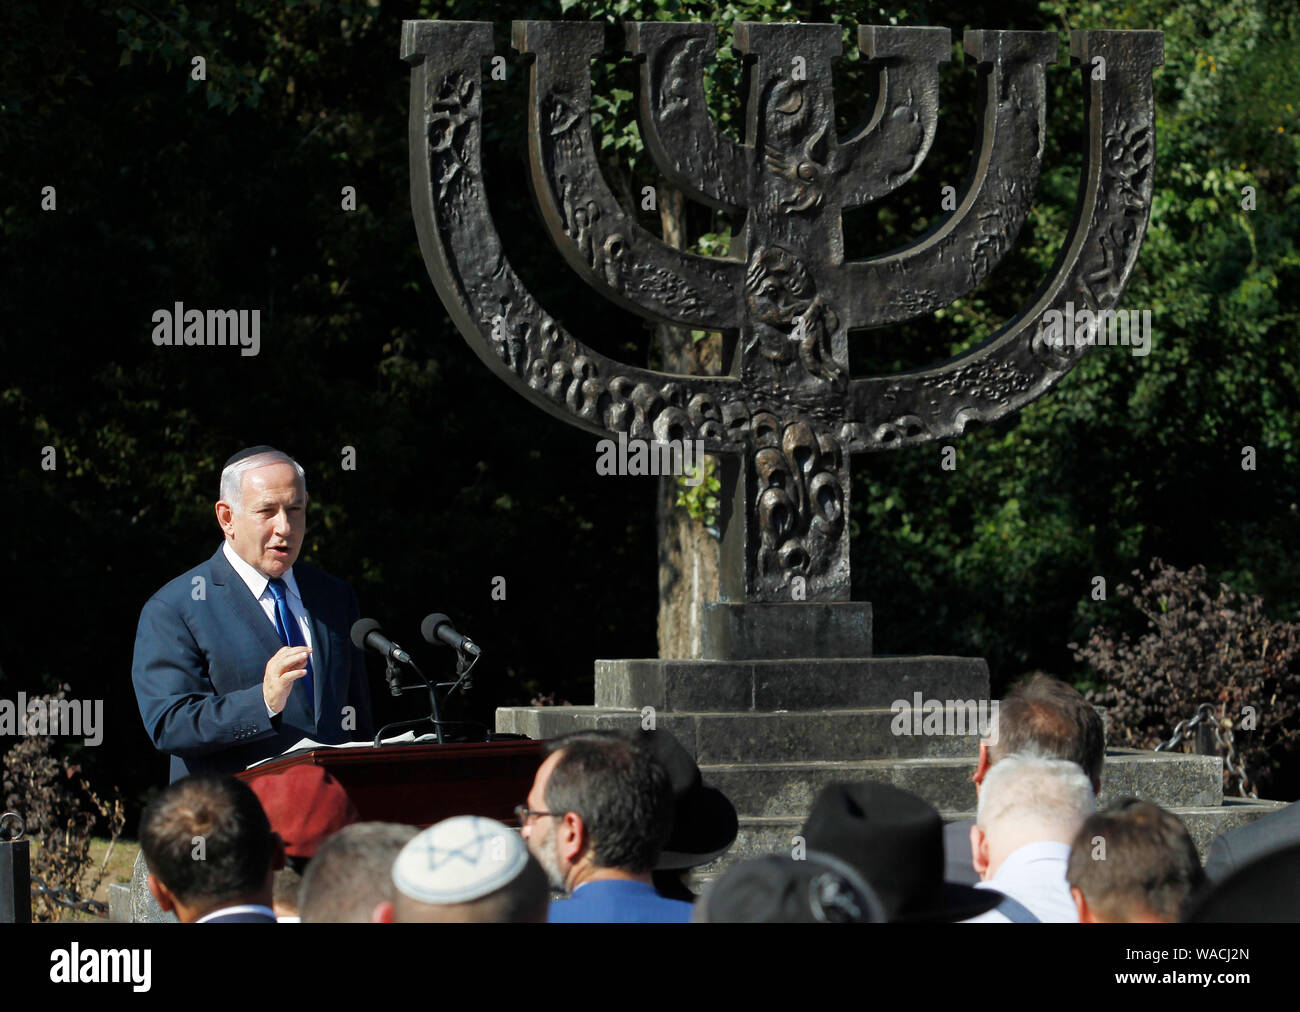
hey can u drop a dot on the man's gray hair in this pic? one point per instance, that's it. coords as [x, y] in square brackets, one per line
[232, 478]
[1023, 787]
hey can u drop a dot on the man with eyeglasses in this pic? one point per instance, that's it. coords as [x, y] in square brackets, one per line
[598, 813]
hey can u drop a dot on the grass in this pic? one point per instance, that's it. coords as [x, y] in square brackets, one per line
[117, 860]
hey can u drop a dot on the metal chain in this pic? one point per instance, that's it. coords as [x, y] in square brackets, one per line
[70, 900]
[7, 832]
[60, 897]
[1183, 726]
[1223, 738]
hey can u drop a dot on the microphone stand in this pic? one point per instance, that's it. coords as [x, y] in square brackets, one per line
[391, 672]
[464, 664]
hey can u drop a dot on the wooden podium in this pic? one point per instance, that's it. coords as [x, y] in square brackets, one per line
[423, 783]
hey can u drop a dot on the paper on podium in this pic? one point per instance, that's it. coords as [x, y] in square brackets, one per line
[306, 744]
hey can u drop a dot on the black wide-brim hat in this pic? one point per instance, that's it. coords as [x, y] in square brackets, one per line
[1266, 891]
[895, 841]
[779, 889]
[704, 820]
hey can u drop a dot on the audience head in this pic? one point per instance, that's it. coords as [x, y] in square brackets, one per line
[467, 869]
[352, 873]
[305, 806]
[704, 823]
[1135, 862]
[208, 844]
[1044, 716]
[1026, 800]
[599, 801]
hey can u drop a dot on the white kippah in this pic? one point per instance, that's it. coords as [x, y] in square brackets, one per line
[459, 859]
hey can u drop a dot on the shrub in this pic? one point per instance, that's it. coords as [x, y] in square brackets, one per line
[1202, 646]
[60, 811]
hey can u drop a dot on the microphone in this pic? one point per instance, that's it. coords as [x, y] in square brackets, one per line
[365, 633]
[437, 628]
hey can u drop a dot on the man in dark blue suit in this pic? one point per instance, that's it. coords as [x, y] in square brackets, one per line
[246, 654]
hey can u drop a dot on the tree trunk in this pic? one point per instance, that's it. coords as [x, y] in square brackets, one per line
[688, 553]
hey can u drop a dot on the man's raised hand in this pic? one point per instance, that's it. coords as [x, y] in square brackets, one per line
[285, 667]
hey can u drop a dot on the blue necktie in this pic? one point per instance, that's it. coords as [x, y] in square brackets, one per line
[291, 634]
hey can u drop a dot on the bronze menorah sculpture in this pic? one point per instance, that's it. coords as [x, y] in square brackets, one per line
[788, 406]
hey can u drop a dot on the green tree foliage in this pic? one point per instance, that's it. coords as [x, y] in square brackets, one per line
[1128, 457]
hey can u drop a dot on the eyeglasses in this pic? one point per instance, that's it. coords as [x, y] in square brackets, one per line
[523, 814]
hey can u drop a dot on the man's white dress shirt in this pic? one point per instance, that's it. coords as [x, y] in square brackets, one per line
[259, 586]
[241, 908]
[1035, 876]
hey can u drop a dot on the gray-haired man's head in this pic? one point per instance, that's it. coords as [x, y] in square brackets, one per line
[263, 509]
[1024, 800]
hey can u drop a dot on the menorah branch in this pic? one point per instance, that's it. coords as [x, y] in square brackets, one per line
[789, 414]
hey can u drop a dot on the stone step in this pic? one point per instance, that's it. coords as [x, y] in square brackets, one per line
[776, 834]
[713, 738]
[782, 788]
[800, 684]
[1189, 781]
[1207, 822]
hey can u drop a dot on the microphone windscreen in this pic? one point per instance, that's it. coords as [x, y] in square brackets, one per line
[362, 628]
[429, 627]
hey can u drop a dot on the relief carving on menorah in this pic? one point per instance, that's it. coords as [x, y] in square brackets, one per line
[787, 296]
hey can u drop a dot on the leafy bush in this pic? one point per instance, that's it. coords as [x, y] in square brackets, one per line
[60, 811]
[1201, 647]
[701, 499]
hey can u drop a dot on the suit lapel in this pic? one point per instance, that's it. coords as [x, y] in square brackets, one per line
[243, 604]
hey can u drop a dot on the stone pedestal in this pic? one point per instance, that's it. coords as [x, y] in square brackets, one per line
[792, 681]
[790, 697]
[781, 631]
[787, 698]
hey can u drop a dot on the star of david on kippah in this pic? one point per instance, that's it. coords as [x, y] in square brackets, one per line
[470, 852]
[447, 863]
